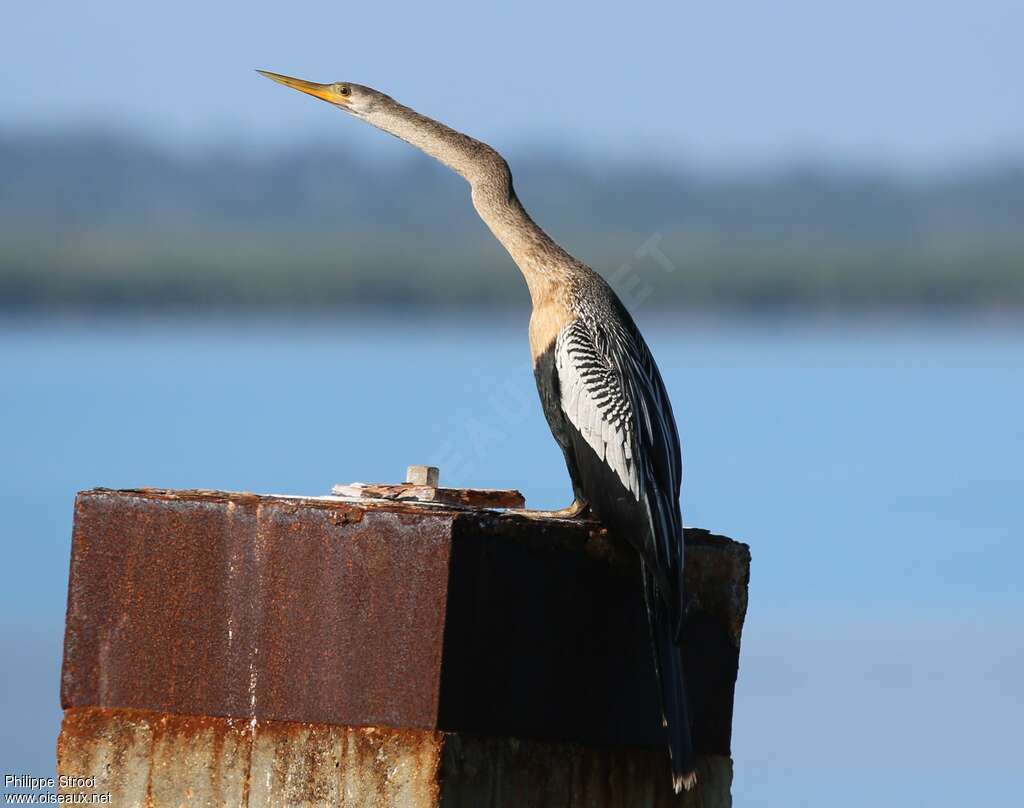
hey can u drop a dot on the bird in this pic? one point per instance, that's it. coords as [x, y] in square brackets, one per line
[601, 391]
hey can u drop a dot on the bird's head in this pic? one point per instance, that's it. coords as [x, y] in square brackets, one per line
[476, 162]
[354, 99]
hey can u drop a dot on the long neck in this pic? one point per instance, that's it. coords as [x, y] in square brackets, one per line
[544, 264]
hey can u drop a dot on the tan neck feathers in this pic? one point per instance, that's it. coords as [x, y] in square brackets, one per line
[545, 266]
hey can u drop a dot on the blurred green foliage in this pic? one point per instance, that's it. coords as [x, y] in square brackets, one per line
[102, 222]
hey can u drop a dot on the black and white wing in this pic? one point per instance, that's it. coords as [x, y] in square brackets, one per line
[627, 446]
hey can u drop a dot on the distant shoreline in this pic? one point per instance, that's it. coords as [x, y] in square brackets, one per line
[111, 224]
[376, 315]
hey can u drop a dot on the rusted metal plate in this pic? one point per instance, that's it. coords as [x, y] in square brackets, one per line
[153, 759]
[546, 639]
[481, 772]
[352, 616]
[547, 636]
[460, 497]
[384, 613]
[256, 607]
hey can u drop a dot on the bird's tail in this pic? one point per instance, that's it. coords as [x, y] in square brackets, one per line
[668, 663]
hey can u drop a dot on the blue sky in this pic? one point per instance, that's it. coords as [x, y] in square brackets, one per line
[916, 83]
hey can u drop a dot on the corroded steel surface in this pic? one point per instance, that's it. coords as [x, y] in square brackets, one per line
[549, 638]
[480, 772]
[717, 576]
[256, 607]
[407, 492]
[153, 759]
[384, 613]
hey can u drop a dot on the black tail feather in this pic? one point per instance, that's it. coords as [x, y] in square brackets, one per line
[668, 663]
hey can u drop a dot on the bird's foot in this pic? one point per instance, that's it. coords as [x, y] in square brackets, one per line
[577, 509]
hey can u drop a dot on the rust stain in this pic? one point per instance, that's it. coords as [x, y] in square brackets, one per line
[471, 498]
[325, 611]
[147, 758]
[256, 607]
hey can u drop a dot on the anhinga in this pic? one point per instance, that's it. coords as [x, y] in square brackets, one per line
[602, 394]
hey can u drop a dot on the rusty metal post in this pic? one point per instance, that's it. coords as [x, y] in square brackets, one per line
[235, 649]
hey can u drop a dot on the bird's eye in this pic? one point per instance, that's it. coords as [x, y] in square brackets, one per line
[344, 89]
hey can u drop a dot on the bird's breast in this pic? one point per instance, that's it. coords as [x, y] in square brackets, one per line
[546, 323]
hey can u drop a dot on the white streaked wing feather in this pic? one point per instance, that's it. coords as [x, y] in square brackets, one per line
[596, 404]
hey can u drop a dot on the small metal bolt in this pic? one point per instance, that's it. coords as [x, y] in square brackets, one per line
[423, 475]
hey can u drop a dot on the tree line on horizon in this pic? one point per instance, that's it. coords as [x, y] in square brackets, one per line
[107, 222]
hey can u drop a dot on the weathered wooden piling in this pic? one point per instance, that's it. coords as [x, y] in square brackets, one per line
[236, 649]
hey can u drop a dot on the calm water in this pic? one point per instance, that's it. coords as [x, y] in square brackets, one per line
[875, 469]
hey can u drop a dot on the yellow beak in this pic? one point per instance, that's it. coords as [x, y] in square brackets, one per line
[325, 92]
